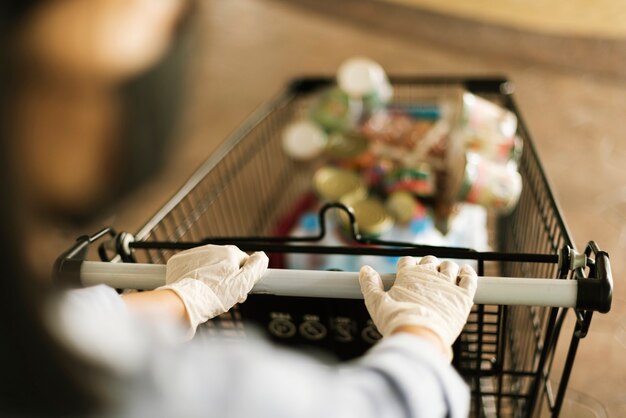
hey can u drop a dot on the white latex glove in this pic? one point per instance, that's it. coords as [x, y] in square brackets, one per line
[212, 279]
[437, 296]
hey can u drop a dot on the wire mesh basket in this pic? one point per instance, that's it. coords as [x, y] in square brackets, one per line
[248, 191]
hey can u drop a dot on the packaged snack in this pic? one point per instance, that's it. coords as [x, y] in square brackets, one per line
[419, 180]
[395, 129]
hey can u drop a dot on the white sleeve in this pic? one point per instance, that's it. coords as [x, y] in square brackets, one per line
[96, 323]
[100, 299]
[403, 376]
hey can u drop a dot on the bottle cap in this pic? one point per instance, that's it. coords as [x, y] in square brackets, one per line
[336, 184]
[303, 140]
[360, 76]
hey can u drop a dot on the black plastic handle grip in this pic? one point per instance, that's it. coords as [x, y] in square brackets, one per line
[596, 291]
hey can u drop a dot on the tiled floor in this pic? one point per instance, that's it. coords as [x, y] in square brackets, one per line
[250, 49]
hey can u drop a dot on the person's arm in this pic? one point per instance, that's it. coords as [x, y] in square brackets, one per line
[403, 376]
[157, 304]
[201, 283]
[407, 374]
[425, 334]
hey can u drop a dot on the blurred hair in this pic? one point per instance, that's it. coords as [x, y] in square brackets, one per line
[39, 376]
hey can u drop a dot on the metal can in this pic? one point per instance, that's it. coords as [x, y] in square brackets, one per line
[372, 218]
[336, 184]
[303, 140]
[404, 207]
[489, 184]
[487, 129]
[346, 145]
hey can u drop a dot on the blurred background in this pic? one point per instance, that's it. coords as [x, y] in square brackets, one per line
[567, 61]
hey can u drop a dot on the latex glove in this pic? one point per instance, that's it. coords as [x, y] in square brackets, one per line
[437, 296]
[212, 279]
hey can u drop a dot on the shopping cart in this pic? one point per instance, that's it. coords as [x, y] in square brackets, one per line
[248, 193]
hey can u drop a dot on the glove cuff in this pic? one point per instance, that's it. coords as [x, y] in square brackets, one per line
[201, 303]
[427, 323]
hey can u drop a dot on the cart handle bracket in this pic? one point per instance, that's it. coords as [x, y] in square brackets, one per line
[595, 292]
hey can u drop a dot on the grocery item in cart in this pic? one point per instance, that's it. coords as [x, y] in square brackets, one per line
[335, 184]
[404, 207]
[371, 217]
[487, 129]
[362, 78]
[396, 129]
[492, 185]
[303, 140]
[419, 180]
[335, 110]
[424, 148]
[349, 149]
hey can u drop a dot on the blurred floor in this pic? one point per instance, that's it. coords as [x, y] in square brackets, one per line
[601, 18]
[250, 49]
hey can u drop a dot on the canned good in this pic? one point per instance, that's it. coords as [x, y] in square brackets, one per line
[346, 145]
[336, 111]
[336, 184]
[303, 140]
[487, 129]
[371, 217]
[419, 180]
[491, 185]
[404, 207]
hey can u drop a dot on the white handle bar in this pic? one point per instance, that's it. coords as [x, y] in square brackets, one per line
[337, 284]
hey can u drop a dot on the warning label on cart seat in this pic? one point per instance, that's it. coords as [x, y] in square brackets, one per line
[344, 329]
[281, 325]
[312, 329]
[370, 334]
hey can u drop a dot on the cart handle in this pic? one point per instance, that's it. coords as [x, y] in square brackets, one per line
[326, 284]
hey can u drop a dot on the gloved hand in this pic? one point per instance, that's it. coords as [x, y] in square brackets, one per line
[212, 279]
[437, 296]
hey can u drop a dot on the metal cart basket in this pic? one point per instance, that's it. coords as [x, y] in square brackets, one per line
[247, 189]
